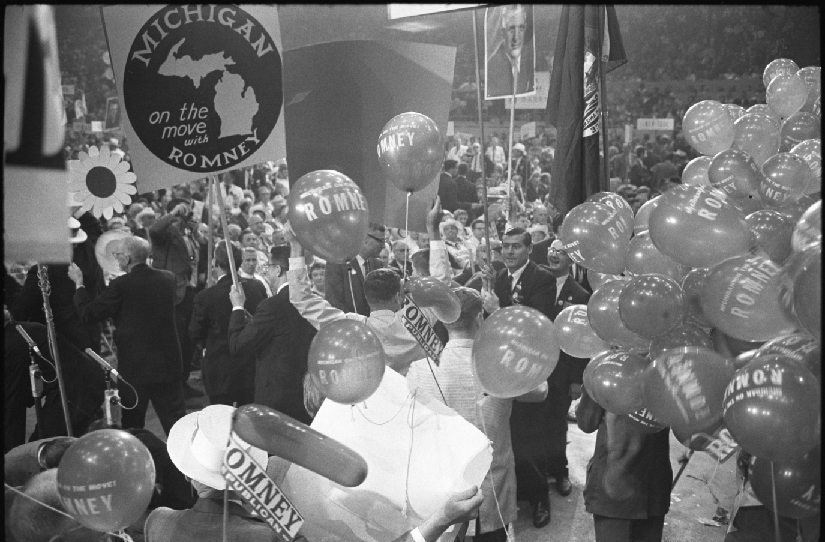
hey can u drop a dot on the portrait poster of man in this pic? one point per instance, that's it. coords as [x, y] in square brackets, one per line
[112, 114]
[510, 51]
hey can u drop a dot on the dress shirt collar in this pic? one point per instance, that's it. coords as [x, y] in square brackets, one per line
[560, 284]
[516, 275]
[459, 343]
[281, 287]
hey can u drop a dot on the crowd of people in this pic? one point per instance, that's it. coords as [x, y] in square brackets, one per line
[171, 314]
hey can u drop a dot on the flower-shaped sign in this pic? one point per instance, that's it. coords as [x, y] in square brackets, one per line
[100, 182]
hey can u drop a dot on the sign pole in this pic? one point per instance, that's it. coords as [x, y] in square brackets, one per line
[224, 224]
[483, 150]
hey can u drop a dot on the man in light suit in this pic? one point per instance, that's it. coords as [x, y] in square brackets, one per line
[344, 288]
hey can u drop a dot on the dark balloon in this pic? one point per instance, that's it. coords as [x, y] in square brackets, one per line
[596, 237]
[798, 128]
[644, 422]
[515, 350]
[692, 285]
[411, 151]
[799, 347]
[798, 484]
[786, 177]
[106, 479]
[329, 215]
[697, 226]
[644, 258]
[346, 361]
[603, 313]
[773, 231]
[772, 408]
[684, 335]
[290, 439]
[613, 380]
[735, 173]
[651, 305]
[741, 298]
[708, 127]
[684, 387]
[758, 135]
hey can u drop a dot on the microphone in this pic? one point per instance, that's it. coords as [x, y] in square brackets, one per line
[103, 364]
[28, 339]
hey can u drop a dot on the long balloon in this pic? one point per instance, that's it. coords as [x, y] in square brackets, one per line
[290, 439]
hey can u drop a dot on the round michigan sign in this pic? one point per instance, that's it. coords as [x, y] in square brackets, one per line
[202, 86]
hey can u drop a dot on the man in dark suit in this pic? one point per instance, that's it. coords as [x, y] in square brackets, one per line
[227, 378]
[142, 304]
[515, 53]
[447, 189]
[465, 189]
[175, 247]
[565, 382]
[525, 283]
[279, 338]
[344, 288]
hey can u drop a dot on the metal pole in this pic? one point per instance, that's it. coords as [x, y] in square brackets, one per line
[45, 288]
[605, 184]
[510, 154]
[210, 249]
[483, 150]
[684, 463]
[232, 269]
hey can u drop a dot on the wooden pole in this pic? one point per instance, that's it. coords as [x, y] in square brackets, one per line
[510, 152]
[224, 224]
[483, 150]
[209, 222]
[605, 184]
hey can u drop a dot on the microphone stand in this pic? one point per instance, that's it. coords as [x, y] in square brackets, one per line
[36, 381]
[111, 402]
[45, 288]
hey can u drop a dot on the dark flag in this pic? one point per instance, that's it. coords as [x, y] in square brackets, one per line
[573, 101]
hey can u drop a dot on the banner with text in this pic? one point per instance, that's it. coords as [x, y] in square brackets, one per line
[200, 88]
[655, 124]
[250, 481]
[399, 11]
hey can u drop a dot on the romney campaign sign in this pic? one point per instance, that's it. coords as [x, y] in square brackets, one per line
[200, 86]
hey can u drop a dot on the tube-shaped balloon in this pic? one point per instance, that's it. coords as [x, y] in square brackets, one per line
[290, 439]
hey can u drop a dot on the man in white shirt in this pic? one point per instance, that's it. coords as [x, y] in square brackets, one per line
[495, 152]
[455, 246]
[453, 377]
[249, 266]
[231, 193]
[382, 288]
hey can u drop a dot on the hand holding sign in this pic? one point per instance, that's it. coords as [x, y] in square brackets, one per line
[106, 479]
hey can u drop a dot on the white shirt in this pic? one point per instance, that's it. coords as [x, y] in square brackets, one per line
[516, 275]
[454, 374]
[560, 284]
[256, 276]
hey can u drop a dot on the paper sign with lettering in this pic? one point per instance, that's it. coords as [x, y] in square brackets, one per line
[528, 130]
[251, 482]
[534, 101]
[655, 124]
[215, 101]
[420, 328]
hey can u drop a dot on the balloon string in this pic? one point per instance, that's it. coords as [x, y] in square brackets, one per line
[489, 471]
[429, 363]
[406, 235]
[776, 533]
[119, 534]
[411, 423]
[411, 395]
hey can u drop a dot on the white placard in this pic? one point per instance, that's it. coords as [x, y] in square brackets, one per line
[398, 11]
[528, 130]
[537, 100]
[655, 124]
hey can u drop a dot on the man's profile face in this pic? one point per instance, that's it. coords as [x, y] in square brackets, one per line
[514, 251]
[514, 24]
[249, 262]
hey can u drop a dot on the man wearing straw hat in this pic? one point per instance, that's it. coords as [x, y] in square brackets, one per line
[197, 444]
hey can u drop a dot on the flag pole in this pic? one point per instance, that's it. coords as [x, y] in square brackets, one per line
[510, 152]
[605, 182]
[483, 150]
[210, 195]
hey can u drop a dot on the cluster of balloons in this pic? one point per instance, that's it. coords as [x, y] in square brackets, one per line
[706, 310]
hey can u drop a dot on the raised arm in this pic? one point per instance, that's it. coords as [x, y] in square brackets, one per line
[459, 508]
